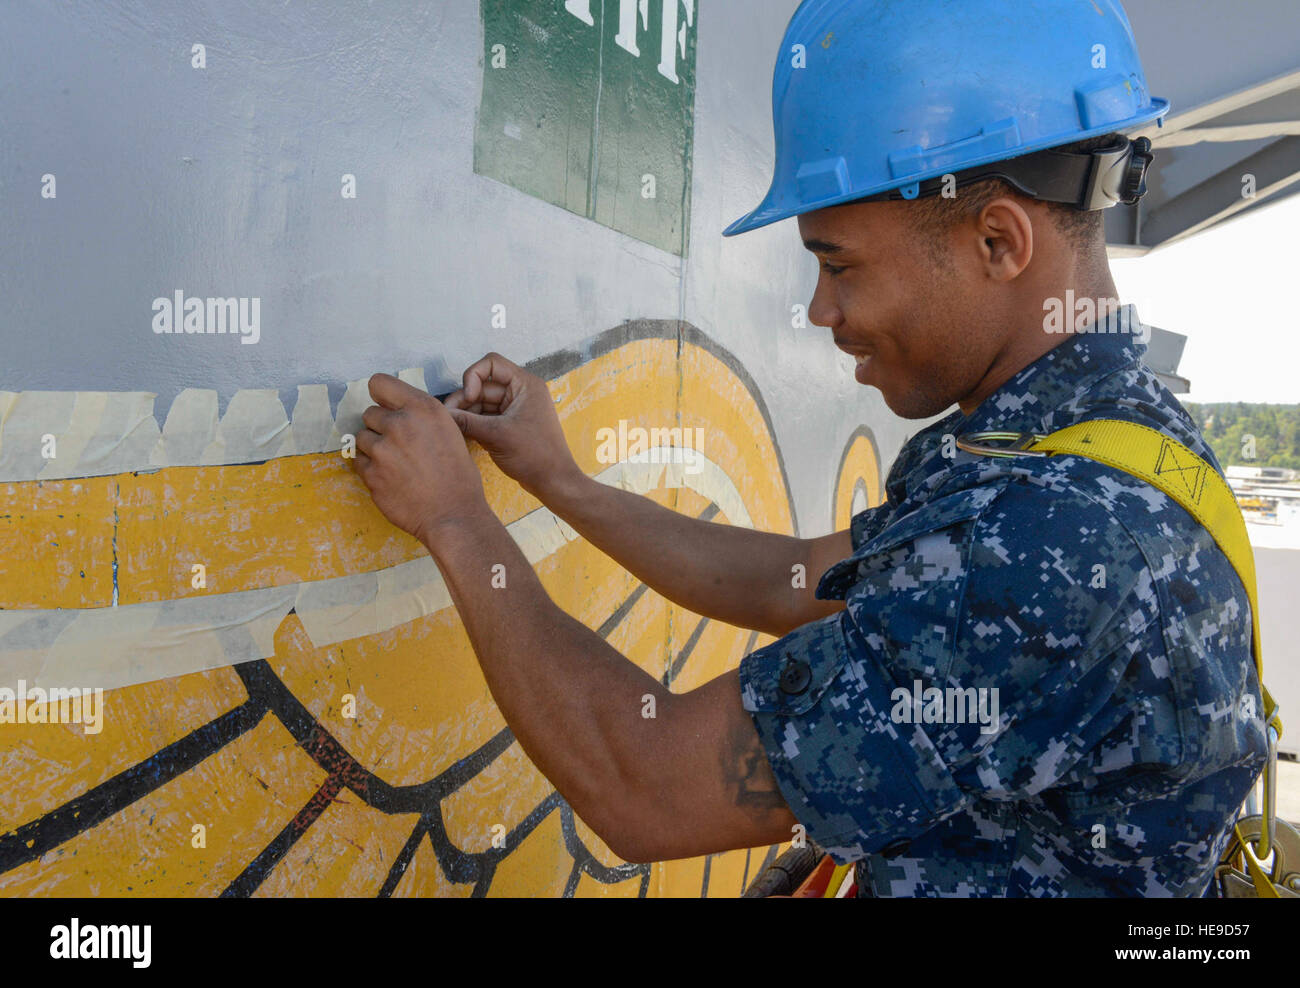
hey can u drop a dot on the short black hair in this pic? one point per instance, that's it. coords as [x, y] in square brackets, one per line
[1083, 229]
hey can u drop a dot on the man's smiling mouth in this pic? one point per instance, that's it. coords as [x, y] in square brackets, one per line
[857, 351]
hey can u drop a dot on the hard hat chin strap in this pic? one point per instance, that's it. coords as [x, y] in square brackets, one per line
[1086, 179]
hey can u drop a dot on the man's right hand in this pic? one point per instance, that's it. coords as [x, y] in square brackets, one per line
[509, 412]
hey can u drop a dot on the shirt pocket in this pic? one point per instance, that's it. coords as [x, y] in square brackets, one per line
[909, 591]
[934, 515]
[943, 512]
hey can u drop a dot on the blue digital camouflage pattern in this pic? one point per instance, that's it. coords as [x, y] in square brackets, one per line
[1113, 630]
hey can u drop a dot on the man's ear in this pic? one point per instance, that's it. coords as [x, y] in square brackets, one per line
[1006, 233]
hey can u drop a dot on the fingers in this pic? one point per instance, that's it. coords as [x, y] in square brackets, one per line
[456, 401]
[378, 419]
[366, 442]
[393, 393]
[461, 418]
[492, 367]
[472, 424]
[493, 399]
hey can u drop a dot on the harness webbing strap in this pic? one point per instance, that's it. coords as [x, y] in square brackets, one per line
[1191, 481]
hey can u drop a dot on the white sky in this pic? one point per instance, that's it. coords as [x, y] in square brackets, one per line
[1228, 290]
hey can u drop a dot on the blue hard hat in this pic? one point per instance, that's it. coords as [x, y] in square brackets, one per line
[876, 96]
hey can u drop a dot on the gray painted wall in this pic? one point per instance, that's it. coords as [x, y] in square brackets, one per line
[225, 182]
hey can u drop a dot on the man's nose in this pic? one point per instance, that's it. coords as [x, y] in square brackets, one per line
[822, 311]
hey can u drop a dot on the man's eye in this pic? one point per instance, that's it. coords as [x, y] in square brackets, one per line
[831, 269]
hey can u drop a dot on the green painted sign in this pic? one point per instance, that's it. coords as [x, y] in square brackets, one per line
[589, 104]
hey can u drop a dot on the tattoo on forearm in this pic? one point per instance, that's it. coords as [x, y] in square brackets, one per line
[746, 770]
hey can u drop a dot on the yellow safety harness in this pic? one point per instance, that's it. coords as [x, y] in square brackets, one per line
[1170, 466]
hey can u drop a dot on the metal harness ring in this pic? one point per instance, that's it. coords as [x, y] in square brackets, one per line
[975, 442]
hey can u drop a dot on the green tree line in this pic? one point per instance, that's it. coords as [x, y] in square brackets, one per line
[1228, 427]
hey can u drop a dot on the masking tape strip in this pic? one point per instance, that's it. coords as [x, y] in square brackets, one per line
[139, 643]
[55, 434]
[49, 435]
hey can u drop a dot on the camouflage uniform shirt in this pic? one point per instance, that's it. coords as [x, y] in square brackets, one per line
[1042, 682]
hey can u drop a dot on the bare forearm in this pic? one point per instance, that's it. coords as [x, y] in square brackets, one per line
[748, 578]
[574, 703]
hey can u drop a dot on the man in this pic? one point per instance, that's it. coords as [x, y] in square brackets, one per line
[1019, 676]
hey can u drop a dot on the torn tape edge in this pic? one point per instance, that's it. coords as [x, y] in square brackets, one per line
[100, 433]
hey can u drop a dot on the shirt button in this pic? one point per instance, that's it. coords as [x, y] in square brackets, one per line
[795, 677]
[894, 848]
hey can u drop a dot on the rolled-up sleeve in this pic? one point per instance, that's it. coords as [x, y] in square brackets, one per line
[855, 779]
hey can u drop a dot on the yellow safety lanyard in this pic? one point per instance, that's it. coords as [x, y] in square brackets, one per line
[1170, 466]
